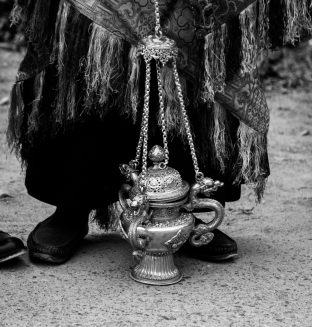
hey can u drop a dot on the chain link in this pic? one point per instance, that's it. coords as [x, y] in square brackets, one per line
[198, 175]
[162, 113]
[158, 30]
[143, 140]
[140, 143]
[142, 146]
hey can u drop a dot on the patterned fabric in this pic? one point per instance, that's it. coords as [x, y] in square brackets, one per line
[81, 61]
[213, 13]
[132, 20]
[244, 97]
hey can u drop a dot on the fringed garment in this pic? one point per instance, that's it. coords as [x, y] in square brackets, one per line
[82, 61]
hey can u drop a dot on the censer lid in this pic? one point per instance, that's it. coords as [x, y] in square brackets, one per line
[163, 184]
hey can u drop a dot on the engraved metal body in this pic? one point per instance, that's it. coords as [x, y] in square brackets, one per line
[158, 221]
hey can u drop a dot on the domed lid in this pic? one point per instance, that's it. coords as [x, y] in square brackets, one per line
[163, 184]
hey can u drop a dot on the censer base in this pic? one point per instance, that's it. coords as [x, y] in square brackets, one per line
[156, 269]
[157, 282]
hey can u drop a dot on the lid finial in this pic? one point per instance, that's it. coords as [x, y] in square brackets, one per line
[157, 154]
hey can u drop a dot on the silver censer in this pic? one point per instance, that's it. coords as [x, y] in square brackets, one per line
[157, 204]
[158, 221]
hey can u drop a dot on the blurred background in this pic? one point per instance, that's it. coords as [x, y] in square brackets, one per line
[9, 34]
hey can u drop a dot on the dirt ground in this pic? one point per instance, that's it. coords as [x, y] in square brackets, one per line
[268, 285]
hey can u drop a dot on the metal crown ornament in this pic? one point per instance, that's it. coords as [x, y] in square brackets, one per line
[159, 48]
[157, 204]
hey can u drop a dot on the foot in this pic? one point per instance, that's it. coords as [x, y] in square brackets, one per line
[221, 248]
[57, 238]
[10, 247]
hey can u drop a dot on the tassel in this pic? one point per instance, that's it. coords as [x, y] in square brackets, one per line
[38, 18]
[298, 19]
[254, 40]
[263, 25]
[38, 25]
[173, 116]
[249, 47]
[133, 86]
[220, 136]
[33, 122]
[252, 156]
[215, 72]
[25, 114]
[24, 122]
[18, 13]
[38, 21]
[60, 48]
[254, 22]
[59, 41]
[107, 218]
[289, 20]
[16, 117]
[72, 41]
[104, 65]
[62, 87]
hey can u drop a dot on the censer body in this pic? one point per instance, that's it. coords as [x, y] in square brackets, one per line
[160, 220]
[156, 266]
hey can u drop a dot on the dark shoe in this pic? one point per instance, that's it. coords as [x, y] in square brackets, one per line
[10, 247]
[221, 248]
[57, 238]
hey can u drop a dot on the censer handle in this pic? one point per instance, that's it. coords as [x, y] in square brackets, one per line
[202, 233]
[123, 195]
[135, 213]
[138, 235]
[214, 206]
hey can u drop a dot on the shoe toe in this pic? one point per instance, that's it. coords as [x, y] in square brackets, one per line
[54, 240]
[221, 240]
[221, 248]
[12, 247]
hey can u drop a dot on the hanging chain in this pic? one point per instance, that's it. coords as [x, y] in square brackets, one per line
[143, 140]
[145, 128]
[163, 57]
[198, 174]
[162, 115]
[136, 161]
[158, 30]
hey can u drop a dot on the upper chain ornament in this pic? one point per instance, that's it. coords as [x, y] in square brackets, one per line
[159, 48]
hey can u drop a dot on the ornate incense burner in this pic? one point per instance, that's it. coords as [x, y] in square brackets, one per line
[158, 221]
[157, 207]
